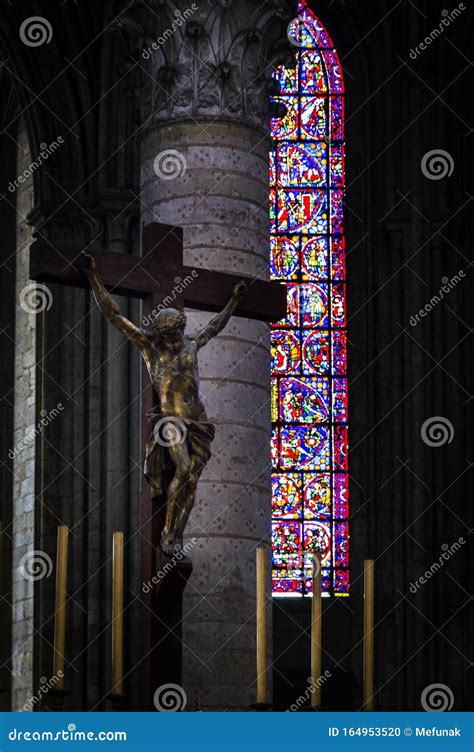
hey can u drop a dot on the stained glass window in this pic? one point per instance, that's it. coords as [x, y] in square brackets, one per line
[309, 377]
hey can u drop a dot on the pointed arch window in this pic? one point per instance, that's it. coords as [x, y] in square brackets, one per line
[309, 375]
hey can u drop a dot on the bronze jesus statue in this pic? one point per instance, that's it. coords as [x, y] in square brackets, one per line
[182, 435]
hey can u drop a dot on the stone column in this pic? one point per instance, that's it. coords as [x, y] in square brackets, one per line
[207, 171]
[25, 558]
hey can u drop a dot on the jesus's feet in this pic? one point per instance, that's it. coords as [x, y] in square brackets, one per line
[167, 543]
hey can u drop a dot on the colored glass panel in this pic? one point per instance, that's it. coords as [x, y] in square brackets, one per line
[316, 349]
[309, 346]
[285, 351]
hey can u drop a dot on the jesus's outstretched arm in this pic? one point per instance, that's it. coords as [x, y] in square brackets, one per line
[218, 323]
[106, 304]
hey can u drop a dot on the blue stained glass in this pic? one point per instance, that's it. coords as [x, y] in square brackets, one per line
[309, 346]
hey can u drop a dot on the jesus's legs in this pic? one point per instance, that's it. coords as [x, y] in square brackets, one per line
[176, 495]
[196, 469]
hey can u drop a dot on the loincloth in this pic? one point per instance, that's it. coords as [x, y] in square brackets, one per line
[198, 436]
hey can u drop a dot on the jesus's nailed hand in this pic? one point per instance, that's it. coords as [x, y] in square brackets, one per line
[85, 263]
[240, 290]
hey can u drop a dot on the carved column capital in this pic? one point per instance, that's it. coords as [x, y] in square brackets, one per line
[212, 59]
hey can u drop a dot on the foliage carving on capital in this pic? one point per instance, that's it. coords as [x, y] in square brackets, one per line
[208, 59]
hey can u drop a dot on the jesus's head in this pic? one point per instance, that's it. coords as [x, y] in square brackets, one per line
[168, 326]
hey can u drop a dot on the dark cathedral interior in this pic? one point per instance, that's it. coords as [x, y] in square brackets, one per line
[320, 151]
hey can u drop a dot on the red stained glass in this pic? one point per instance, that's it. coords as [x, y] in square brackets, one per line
[326, 582]
[304, 400]
[341, 582]
[339, 352]
[313, 119]
[317, 497]
[338, 267]
[315, 258]
[316, 353]
[312, 32]
[286, 127]
[287, 543]
[292, 318]
[338, 305]
[340, 491]
[304, 165]
[284, 257]
[287, 79]
[305, 448]
[334, 72]
[337, 212]
[312, 72]
[302, 210]
[286, 586]
[314, 305]
[317, 539]
[337, 166]
[286, 492]
[340, 447]
[336, 105]
[341, 544]
[309, 346]
[339, 400]
[285, 351]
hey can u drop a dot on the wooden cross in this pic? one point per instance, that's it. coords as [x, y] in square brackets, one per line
[155, 277]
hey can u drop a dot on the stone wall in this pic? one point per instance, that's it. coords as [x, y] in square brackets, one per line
[24, 451]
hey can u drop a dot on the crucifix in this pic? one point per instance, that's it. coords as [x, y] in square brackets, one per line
[181, 432]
